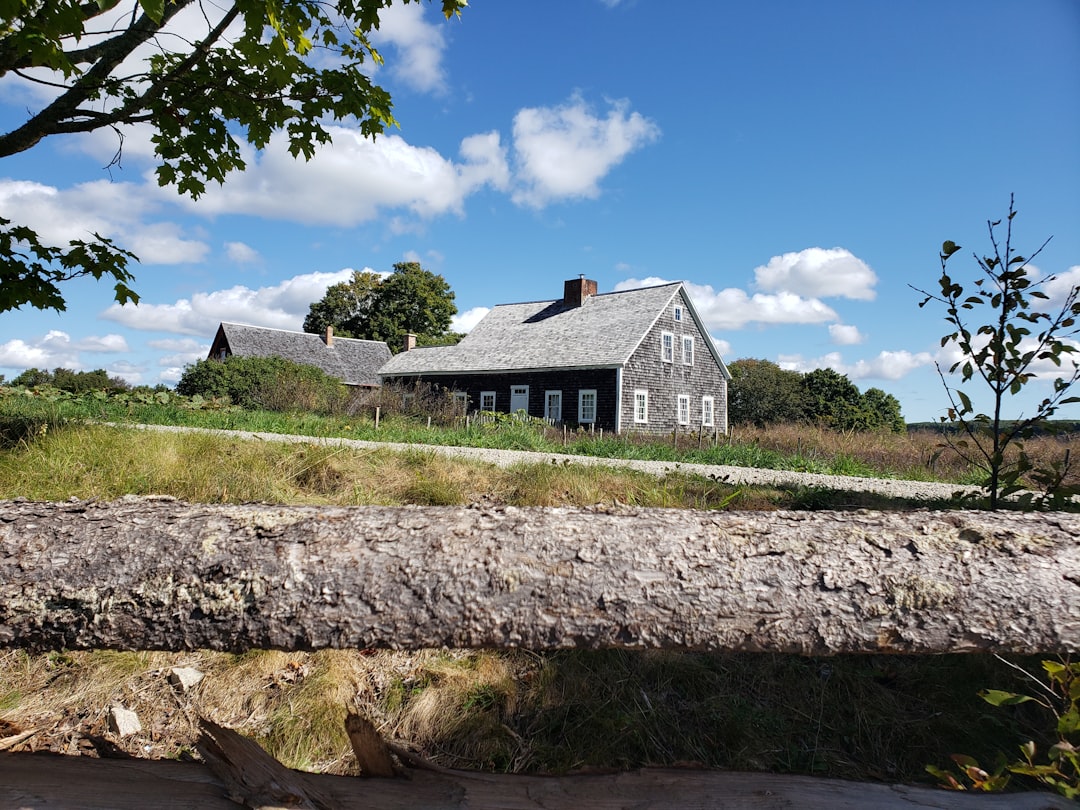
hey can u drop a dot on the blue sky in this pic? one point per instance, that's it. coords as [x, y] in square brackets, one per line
[797, 163]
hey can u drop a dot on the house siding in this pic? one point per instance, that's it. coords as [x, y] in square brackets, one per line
[666, 381]
[569, 381]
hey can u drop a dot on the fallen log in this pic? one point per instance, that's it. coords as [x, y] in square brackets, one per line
[40, 781]
[158, 574]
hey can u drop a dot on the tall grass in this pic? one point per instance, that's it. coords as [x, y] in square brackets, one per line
[918, 455]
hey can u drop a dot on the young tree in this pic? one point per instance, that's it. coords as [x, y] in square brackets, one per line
[251, 69]
[1004, 354]
[371, 307]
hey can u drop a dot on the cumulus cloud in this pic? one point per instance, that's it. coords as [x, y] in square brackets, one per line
[282, 306]
[353, 179]
[465, 321]
[115, 210]
[732, 308]
[420, 46]
[886, 366]
[241, 253]
[845, 334]
[56, 349]
[1057, 290]
[564, 152]
[818, 273]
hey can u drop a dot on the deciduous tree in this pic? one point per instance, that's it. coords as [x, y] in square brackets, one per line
[368, 306]
[1004, 354]
[255, 68]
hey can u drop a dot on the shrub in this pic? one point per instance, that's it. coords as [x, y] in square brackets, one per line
[270, 383]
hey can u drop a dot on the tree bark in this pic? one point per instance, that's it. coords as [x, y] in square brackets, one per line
[158, 574]
[40, 781]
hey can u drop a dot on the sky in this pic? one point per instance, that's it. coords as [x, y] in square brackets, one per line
[797, 164]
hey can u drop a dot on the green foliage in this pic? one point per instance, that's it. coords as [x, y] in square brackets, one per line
[1002, 354]
[272, 383]
[369, 306]
[762, 393]
[74, 382]
[287, 66]
[1060, 769]
[30, 271]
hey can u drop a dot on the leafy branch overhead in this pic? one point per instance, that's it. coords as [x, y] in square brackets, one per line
[256, 68]
[1004, 354]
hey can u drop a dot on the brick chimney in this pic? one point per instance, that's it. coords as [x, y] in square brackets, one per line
[329, 337]
[409, 343]
[576, 290]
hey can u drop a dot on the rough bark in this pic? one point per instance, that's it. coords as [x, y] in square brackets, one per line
[40, 781]
[157, 574]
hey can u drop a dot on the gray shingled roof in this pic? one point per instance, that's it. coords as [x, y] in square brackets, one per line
[356, 362]
[602, 332]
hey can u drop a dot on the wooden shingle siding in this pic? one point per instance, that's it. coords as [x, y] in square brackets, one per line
[666, 381]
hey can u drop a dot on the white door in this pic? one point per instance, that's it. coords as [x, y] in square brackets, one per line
[553, 406]
[519, 398]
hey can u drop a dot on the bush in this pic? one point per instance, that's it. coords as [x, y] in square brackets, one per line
[269, 383]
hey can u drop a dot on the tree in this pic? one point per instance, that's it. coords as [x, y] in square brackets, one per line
[1003, 354]
[77, 382]
[368, 306]
[881, 411]
[253, 69]
[762, 393]
[345, 306]
[831, 399]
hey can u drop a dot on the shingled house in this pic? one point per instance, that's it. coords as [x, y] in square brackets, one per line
[354, 362]
[637, 360]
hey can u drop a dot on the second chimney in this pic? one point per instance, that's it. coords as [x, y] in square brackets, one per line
[409, 343]
[576, 290]
[329, 339]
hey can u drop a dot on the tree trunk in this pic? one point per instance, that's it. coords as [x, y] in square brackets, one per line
[158, 574]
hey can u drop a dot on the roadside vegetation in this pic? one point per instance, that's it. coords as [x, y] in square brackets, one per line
[851, 716]
[429, 417]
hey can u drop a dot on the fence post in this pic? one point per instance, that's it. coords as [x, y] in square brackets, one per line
[376, 417]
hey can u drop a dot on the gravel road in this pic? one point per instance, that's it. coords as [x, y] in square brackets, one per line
[915, 490]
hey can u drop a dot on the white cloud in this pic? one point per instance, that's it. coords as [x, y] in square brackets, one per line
[421, 46]
[886, 366]
[282, 306]
[465, 321]
[818, 273]
[56, 349]
[732, 308]
[1057, 289]
[241, 253]
[845, 334]
[564, 152]
[114, 210]
[351, 180]
[171, 375]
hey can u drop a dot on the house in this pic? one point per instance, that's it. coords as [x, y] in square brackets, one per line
[354, 362]
[636, 360]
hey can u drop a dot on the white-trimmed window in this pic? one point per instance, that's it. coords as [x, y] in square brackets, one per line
[688, 350]
[487, 401]
[677, 314]
[707, 411]
[641, 406]
[684, 409]
[461, 400]
[553, 406]
[667, 347]
[586, 406]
